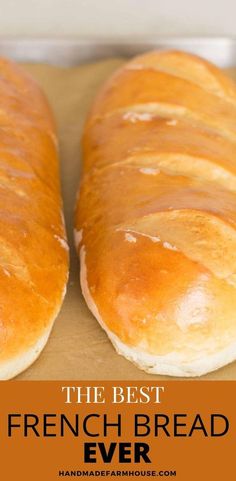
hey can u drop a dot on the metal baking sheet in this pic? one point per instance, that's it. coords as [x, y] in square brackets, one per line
[73, 51]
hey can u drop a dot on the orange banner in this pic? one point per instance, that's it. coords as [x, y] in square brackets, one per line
[106, 430]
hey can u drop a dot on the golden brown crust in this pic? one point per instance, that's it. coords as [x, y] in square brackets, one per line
[156, 211]
[34, 251]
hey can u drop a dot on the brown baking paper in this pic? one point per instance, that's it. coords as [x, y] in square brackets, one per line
[78, 348]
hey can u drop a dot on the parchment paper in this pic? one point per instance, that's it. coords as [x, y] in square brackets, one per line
[78, 349]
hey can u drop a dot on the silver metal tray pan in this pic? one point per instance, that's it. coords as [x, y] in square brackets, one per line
[73, 51]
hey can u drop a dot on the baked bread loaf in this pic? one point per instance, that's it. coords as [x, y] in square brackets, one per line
[33, 249]
[156, 215]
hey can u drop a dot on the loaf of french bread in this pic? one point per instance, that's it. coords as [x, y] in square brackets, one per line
[156, 213]
[33, 248]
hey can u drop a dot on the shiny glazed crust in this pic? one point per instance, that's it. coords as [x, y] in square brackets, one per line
[33, 250]
[155, 217]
